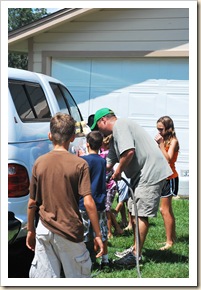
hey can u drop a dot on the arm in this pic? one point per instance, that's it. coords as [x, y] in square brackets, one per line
[125, 159]
[111, 158]
[173, 147]
[93, 216]
[30, 240]
[109, 167]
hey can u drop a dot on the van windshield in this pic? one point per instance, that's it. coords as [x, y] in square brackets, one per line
[65, 101]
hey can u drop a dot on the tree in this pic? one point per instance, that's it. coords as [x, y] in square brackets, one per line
[17, 18]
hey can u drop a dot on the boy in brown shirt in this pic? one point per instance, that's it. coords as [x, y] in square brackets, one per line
[59, 178]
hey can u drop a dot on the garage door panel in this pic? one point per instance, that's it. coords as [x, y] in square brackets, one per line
[137, 71]
[107, 74]
[176, 101]
[75, 72]
[111, 100]
[183, 137]
[142, 105]
[123, 73]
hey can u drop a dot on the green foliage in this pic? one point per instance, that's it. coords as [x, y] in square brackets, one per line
[173, 263]
[18, 60]
[17, 18]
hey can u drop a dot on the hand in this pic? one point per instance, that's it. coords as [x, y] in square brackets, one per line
[31, 240]
[80, 152]
[98, 244]
[116, 175]
[159, 139]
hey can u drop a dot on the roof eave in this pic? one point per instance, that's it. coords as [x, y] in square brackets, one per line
[46, 23]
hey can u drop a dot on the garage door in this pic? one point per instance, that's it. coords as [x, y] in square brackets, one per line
[137, 88]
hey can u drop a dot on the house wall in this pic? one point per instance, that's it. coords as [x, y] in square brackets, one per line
[115, 32]
[132, 60]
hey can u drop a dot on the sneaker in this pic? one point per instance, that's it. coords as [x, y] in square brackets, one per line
[95, 266]
[126, 251]
[128, 261]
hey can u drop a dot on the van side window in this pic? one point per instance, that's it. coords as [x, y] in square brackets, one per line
[65, 101]
[30, 101]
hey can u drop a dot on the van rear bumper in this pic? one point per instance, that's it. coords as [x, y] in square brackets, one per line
[14, 226]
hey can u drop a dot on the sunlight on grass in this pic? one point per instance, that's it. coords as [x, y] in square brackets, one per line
[173, 263]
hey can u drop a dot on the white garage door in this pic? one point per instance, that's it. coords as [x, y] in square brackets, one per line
[137, 88]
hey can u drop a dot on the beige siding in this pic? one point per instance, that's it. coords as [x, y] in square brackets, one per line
[129, 19]
[114, 36]
[145, 32]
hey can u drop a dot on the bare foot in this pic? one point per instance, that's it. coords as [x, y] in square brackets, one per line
[128, 228]
[166, 247]
[110, 236]
[161, 243]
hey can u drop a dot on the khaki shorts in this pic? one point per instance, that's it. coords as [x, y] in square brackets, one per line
[147, 199]
[53, 252]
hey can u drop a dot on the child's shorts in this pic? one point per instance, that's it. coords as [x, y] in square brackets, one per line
[110, 197]
[88, 229]
[171, 187]
[52, 250]
[122, 189]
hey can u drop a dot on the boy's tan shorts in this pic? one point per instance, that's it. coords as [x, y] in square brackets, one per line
[53, 250]
[147, 199]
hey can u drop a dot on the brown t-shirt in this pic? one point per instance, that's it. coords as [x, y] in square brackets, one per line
[59, 178]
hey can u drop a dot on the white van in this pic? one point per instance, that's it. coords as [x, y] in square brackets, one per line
[32, 100]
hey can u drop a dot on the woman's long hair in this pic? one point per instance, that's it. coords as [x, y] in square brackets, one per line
[169, 129]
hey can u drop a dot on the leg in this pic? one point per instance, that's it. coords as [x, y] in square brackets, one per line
[122, 189]
[75, 258]
[169, 221]
[46, 263]
[128, 257]
[115, 224]
[103, 228]
[143, 230]
[130, 223]
[123, 215]
[90, 248]
[109, 200]
[104, 259]
[121, 208]
[109, 225]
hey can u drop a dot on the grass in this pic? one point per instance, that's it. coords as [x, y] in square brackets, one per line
[173, 263]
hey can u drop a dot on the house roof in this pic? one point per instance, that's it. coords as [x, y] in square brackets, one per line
[46, 23]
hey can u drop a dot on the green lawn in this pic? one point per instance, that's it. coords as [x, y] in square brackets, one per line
[173, 263]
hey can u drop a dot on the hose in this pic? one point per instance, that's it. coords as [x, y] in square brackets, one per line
[136, 227]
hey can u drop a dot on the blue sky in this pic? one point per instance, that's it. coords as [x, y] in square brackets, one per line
[51, 10]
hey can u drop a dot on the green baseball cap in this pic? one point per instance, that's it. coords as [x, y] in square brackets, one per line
[99, 114]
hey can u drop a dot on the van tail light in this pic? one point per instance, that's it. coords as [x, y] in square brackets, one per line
[18, 180]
